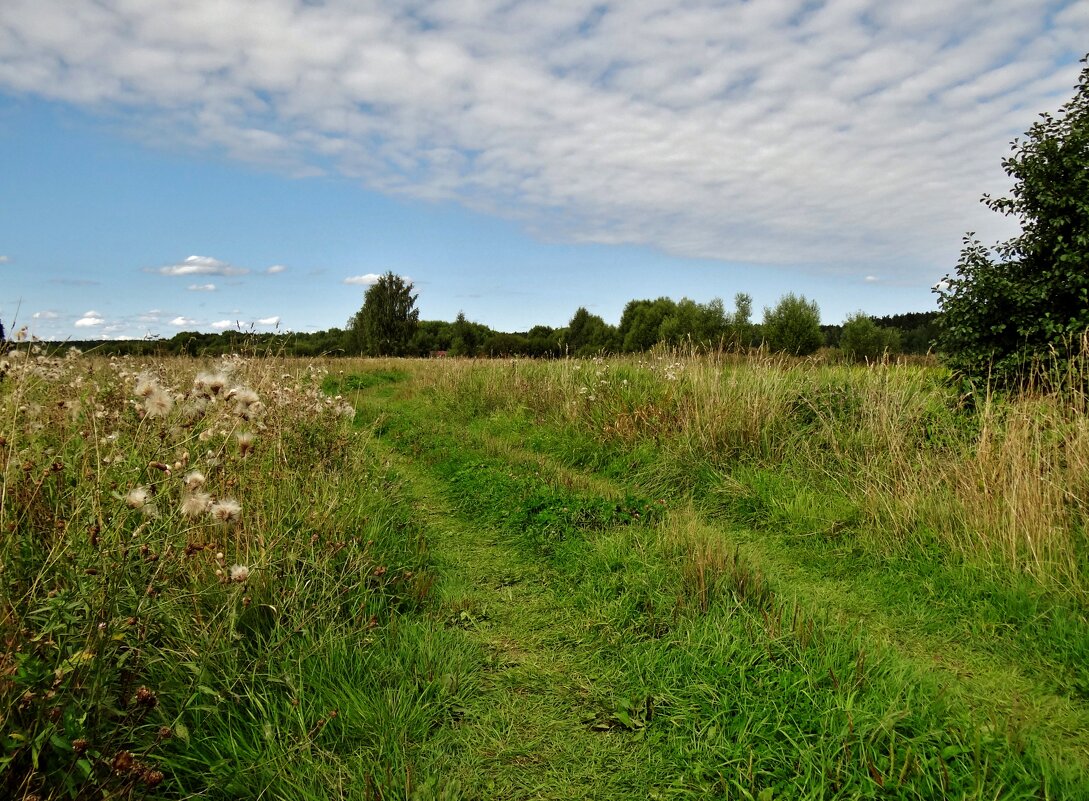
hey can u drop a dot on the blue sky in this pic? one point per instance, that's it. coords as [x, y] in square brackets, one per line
[202, 164]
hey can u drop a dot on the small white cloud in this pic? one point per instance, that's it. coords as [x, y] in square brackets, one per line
[221, 325]
[363, 280]
[45, 315]
[870, 279]
[275, 320]
[5, 259]
[202, 265]
[275, 269]
[180, 321]
[202, 287]
[152, 316]
[89, 320]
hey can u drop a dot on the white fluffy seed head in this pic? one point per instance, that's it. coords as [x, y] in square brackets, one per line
[158, 403]
[194, 504]
[194, 480]
[226, 510]
[239, 573]
[137, 498]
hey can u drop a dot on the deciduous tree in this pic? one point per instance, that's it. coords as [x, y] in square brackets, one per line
[388, 319]
[1008, 305]
[793, 326]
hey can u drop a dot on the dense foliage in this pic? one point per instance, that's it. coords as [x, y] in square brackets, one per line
[644, 324]
[863, 340]
[1028, 298]
[793, 326]
[386, 323]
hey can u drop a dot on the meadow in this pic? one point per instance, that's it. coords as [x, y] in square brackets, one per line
[664, 576]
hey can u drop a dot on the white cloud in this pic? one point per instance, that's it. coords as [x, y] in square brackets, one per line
[45, 315]
[363, 280]
[833, 133]
[202, 287]
[179, 321]
[221, 325]
[202, 265]
[89, 319]
[269, 320]
[275, 269]
[871, 279]
[5, 259]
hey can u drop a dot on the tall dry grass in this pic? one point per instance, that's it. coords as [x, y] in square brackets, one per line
[1001, 481]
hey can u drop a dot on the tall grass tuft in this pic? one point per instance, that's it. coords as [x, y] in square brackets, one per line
[196, 561]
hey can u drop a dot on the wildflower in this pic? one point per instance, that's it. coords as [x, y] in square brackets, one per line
[251, 411]
[138, 498]
[194, 504]
[146, 697]
[242, 396]
[245, 442]
[226, 510]
[196, 408]
[239, 573]
[209, 384]
[146, 384]
[193, 480]
[122, 762]
[158, 403]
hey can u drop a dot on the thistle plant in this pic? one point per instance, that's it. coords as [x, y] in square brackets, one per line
[149, 511]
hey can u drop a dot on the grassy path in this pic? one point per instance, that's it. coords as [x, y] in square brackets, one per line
[525, 733]
[626, 656]
[941, 622]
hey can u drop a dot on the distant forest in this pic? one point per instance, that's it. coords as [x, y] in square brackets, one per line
[645, 323]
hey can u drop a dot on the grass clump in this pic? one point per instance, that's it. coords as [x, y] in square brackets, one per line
[209, 587]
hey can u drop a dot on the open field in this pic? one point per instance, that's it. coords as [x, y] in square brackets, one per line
[666, 577]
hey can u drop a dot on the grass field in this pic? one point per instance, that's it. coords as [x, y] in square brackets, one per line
[666, 577]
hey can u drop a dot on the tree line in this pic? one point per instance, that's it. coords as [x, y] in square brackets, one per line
[385, 326]
[388, 325]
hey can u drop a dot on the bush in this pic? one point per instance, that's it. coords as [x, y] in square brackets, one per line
[1008, 306]
[793, 326]
[863, 340]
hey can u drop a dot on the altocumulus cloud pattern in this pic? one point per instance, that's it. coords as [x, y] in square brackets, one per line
[759, 132]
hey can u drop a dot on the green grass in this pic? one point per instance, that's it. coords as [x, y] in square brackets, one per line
[658, 579]
[791, 685]
[134, 665]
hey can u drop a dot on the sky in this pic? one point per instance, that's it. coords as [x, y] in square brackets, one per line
[182, 165]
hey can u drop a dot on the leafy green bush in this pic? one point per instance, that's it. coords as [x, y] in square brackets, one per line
[1028, 298]
[793, 326]
[863, 340]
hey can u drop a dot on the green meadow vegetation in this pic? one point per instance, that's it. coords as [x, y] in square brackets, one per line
[663, 575]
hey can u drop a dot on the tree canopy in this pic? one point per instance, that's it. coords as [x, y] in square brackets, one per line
[387, 322]
[793, 326]
[1028, 297]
